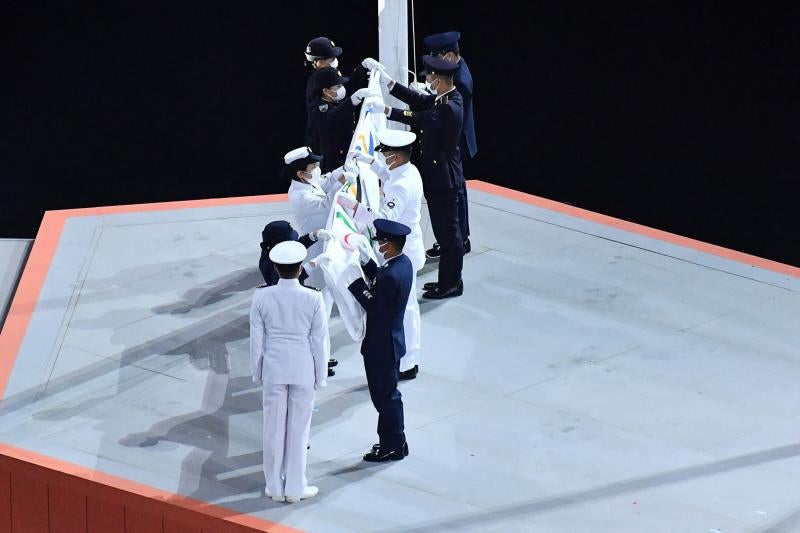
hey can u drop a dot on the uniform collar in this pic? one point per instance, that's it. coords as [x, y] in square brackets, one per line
[300, 185]
[400, 169]
[288, 282]
[453, 88]
[401, 254]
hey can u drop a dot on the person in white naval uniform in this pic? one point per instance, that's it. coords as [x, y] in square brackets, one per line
[310, 195]
[401, 202]
[289, 349]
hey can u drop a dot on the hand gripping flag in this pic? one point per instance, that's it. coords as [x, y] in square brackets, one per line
[340, 260]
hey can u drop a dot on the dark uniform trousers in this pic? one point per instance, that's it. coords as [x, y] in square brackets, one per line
[445, 212]
[382, 379]
[467, 143]
[440, 121]
[384, 342]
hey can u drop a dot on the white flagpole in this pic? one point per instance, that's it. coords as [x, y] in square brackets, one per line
[393, 46]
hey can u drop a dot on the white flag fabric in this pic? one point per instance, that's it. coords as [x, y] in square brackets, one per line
[365, 138]
[340, 266]
[339, 262]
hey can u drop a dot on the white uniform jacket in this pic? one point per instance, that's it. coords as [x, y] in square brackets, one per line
[289, 343]
[311, 204]
[401, 202]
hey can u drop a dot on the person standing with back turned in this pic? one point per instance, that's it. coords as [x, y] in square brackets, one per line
[289, 348]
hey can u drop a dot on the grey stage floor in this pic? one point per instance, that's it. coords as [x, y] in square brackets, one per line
[589, 380]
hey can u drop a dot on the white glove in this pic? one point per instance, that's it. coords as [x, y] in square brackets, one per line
[376, 107]
[346, 201]
[349, 176]
[371, 64]
[323, 235]
[358, 155]
[364, 250]
[360, 94]
[419, 87]
[310, 267]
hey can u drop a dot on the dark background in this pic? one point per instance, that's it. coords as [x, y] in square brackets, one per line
[684, 117]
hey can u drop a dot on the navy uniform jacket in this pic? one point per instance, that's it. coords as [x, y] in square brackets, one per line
[439, 121]
[385, 304]
[463, 82]
[267, 267]
[332, 125]
[358, 80]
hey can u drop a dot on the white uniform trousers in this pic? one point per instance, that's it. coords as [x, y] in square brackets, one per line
[287, 424]
[411, 329]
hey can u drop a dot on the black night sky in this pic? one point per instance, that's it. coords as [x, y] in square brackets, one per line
[684, 117]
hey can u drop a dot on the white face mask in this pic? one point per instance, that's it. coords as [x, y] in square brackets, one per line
[335, 62]
[312, 176]
[390, 159]
[429, 86]
[340, 93]
[376, 247]
[420, 87]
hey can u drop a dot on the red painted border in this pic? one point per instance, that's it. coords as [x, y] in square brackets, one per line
[134, 494]
[632, 227]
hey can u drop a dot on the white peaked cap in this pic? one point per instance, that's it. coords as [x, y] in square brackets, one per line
[299, 153]
[287, 253]
[396, 138]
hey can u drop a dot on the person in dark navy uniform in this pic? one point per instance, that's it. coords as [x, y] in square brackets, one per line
[279, 231]
[445, 46]
[385, 300]
[439, 117]
[274, 233]
[321, 52]
[331, 118]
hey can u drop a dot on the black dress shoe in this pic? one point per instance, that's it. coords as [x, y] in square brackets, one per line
[431, 285]
[376, 450]
[467, 246]
[439, 294]
[331, 372]
[411, 373]
[434, 252]
[332, 363]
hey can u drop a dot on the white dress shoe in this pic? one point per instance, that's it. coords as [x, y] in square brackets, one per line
[274, 498]
[309, 492]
